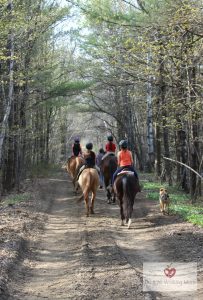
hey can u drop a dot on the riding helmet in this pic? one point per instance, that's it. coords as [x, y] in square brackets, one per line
[89, 146]
[76, 140]
[101, 150]
[123, 144]
[110, 138]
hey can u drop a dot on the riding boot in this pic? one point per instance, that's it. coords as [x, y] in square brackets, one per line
[77, 173]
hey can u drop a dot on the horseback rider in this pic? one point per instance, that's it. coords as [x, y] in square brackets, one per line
[89, 156]
[76, 148]
[125, 160]
[110, 147]
[90, 160]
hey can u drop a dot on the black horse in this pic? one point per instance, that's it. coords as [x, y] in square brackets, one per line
[126, 186]
[108, 167]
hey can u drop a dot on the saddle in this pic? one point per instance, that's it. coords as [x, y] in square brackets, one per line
[123, 172]
[83, 168]
[108, 154]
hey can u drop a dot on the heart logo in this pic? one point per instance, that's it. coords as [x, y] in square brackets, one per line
[169, 272]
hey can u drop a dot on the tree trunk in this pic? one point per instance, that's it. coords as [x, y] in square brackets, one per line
[150, 130]
[10, 47]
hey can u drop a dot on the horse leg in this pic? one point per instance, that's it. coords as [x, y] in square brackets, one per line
[86, 196]
[108, 196]
[114, 196]
[121, 212]
[130, 215]
[92, 202]
[129, 223]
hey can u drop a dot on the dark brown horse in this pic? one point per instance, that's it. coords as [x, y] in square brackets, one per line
[108, 167]
[126, 186]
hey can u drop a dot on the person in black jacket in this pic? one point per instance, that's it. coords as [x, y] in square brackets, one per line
[76, 148]
[90, 160]
[89, 156]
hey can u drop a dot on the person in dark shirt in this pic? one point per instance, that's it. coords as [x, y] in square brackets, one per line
[89, 156]
[76, 148]
[90, 160]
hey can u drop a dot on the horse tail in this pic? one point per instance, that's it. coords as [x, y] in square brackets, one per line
[128, 197]
[81, 198]
[85, 189]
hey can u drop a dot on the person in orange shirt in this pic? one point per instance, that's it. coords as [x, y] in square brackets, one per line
[125, 160]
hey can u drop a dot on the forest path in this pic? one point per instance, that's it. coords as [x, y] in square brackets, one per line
[77, 257]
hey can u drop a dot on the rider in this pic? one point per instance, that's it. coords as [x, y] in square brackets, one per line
[89, 156]
[125, 160]
[110, 146]
[76, 148]
[90, 160]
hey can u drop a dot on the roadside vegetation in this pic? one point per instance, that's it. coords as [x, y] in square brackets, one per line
[180, 202]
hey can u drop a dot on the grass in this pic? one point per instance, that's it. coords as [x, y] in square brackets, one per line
[15, 199]
[180, 202]
[43, 170]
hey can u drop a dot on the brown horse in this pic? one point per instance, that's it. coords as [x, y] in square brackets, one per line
[126, 186]
[89, 183]
[108, 167]
[73, 163]
[72, 166]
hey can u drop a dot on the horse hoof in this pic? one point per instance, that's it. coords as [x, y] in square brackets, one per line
[122, 223]
[129, 223]
[92, 211]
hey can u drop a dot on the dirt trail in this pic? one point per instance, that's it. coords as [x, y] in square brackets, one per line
[95, 258]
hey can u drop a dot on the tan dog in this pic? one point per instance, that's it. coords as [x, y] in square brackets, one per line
[164, 201]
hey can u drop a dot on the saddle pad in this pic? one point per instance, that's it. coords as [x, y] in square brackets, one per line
[125, 172]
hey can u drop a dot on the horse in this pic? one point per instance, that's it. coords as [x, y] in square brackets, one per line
[108, 167]
[126, 186]
[89, 183]
[73, 165]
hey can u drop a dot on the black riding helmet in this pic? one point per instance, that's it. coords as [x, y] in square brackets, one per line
[123, 144]
[110, 138]
[89, 146]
